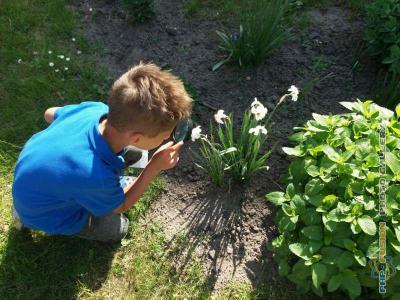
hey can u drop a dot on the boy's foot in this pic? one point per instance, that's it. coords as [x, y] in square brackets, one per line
[131, 155]
[16, 220]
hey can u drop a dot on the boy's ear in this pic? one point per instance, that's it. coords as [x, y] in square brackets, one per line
[135, 137]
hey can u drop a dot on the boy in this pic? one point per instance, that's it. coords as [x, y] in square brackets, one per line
[67, 177]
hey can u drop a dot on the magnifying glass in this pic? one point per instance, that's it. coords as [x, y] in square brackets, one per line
[182, 131]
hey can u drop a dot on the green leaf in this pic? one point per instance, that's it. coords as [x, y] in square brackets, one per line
[283, 267]
[360, 258]
[310, 217]
[367, 224]
[301, 250]
[335, 282]
[373, 250]
[318, 274]
[313, 187]
[286, 224]
[332, 154]
[329, 224]
[312, 232]
[398, 110]
[345, 260]
[351, 283]
[393, 163]
[349, 244]
[296, 151]
[288, 210]
[276, 197]
[290, 190]
[330, 255]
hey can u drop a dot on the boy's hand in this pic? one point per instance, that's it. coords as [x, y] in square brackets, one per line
[166, 157]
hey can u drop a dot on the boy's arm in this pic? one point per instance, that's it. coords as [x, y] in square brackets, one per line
[166, 157]
[49, 114]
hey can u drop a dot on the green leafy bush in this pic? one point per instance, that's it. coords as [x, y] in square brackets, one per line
[139, 10]
[261, 30]
[329, 212]
[383, 32]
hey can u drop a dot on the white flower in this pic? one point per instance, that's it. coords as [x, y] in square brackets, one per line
[66, 68]
[256, 130]
[60, 56]
[90, 9]
[35, 53]
[50, 52]
[196, 133]
[19, 60]
[78, 52]
[67, 59]
[294, 92]
[385, 123]
[259, 111]
[73, 39]
[229, 150]
[219, 116]
[51, 64]
[56, 70]
[255, 102]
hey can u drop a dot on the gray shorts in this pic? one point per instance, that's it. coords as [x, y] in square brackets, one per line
[111, 227]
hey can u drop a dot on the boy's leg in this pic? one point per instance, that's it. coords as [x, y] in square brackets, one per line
[111, 227]
[108, 228]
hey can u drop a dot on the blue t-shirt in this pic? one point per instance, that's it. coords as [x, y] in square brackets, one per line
[67, 171]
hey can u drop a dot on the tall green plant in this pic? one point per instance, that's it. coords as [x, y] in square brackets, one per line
[139, 10]
[227, 156]
[329, 211]
[261, 30]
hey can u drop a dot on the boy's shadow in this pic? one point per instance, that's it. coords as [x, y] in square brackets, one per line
[37, 266]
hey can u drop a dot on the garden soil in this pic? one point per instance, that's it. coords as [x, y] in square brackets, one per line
[227, 229]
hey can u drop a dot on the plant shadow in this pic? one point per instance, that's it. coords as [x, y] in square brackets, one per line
[37, 266]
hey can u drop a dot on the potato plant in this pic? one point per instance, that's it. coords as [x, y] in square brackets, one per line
[329, 214]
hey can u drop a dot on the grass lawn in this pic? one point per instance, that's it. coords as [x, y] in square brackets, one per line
[32, 264]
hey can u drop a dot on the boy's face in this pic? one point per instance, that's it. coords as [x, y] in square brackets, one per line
[148, 143]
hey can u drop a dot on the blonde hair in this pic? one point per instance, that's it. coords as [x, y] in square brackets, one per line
[148, 100]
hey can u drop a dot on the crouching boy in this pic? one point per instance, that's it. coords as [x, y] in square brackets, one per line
[67, 179]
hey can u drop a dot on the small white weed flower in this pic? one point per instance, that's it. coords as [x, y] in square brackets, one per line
[294, 92]
[35, 53]
[196, 133]
[229, 150]
[67, 59]
[219, 116]
[90, 9]
[19, 60]
[60, 56]
[73, 39]
[56, 70]
[51, 64]
[78, 52]
[50, 52]
[258, 129]
[66, 68]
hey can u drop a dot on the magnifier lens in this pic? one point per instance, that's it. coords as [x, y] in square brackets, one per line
[181, 130]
